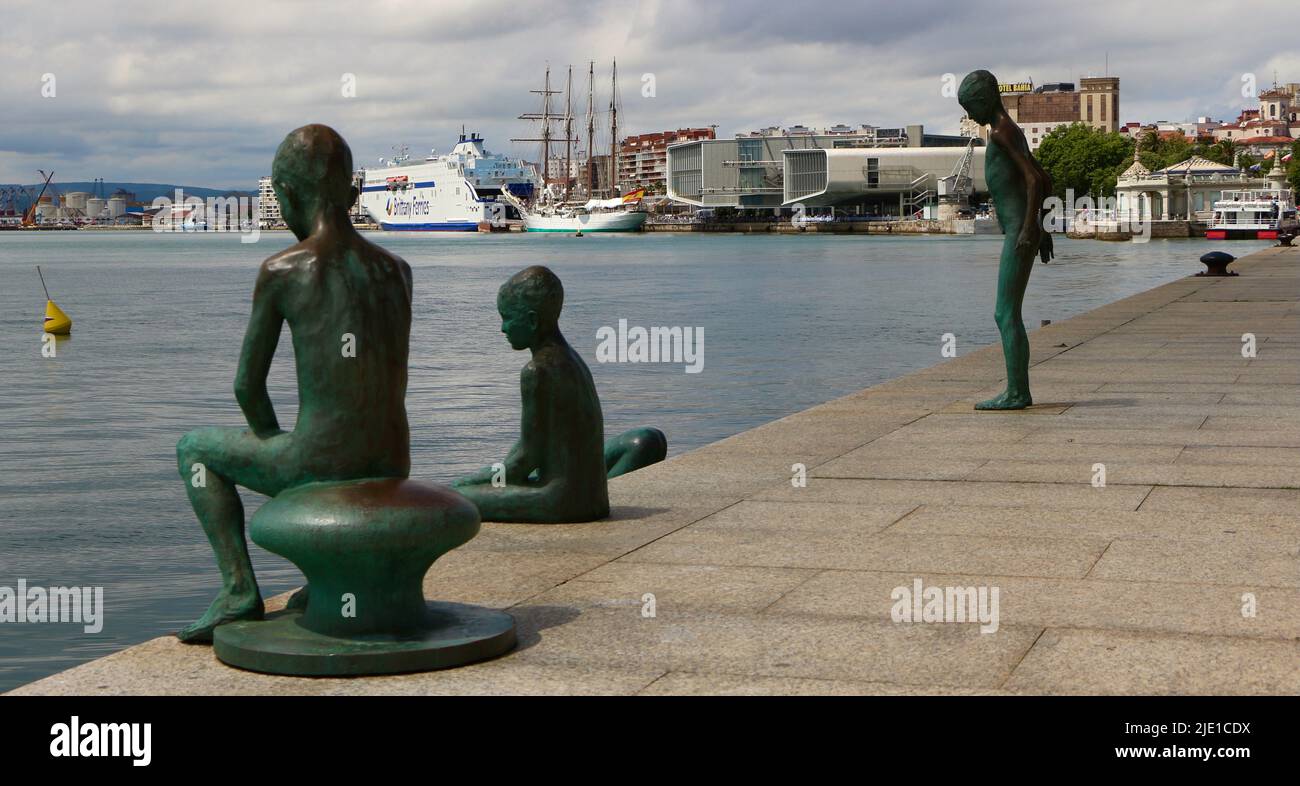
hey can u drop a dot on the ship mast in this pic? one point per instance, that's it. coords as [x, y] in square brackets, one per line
[546, 92]
[568, 133]
[591, 125]
[546, 128]
[613, 132]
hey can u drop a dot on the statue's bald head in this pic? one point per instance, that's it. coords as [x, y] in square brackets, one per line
[315, 159]
[979, 95]
[536, 289]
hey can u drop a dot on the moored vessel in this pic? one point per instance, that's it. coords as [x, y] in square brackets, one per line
[595, 215]
[1257, 214]
[566, 203]
[451, 193]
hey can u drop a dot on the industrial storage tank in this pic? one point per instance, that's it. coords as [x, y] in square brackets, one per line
[94, 207]
[116, 206]
[76, 199]
[46, 210]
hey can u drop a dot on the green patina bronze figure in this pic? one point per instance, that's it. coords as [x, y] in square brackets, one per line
[558, 469]
[1019, 186]
[342, 509]
[633, 450]
[348, 306]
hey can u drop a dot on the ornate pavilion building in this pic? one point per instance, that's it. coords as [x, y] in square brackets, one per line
[1185, 191]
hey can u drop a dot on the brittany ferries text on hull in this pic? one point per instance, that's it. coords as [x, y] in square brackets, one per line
[451, 193]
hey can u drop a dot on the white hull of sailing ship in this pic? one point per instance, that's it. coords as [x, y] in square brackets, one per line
[597, 215]
[614, 221]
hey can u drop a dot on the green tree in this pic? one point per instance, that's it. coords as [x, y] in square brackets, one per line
[1220, 152]
[1293, 168]
[1084, 159]
[1158, 152]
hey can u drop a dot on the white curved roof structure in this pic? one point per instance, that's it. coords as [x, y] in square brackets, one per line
[821, 175]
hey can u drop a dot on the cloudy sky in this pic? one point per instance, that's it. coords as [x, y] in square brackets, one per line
[201, 93]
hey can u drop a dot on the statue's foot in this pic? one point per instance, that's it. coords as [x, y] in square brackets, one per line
[633, 450]
[298, 600]
[228, 607]
[1007, 400]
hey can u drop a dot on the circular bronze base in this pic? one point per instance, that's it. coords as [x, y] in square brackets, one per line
[454, 634]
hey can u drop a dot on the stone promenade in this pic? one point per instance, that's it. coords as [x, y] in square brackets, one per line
[1180, 575]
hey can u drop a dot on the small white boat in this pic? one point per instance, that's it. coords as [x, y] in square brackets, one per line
[1252, 214]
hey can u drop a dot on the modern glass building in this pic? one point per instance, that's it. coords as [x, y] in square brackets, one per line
[891, 172]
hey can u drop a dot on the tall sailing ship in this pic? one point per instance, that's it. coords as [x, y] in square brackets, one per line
[564, 205]
[456, 192]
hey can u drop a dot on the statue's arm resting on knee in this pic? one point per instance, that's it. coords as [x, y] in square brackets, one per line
[260, 340]
[485, 475]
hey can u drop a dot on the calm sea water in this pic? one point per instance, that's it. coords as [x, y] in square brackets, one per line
[89, 493]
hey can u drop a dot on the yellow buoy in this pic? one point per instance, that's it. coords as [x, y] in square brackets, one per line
[56, 322]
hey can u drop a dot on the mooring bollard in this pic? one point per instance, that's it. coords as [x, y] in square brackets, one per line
[1216, 264]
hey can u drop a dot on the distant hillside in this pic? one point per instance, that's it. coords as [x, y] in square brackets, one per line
[144, 192]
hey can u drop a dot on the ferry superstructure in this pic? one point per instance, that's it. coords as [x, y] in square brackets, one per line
[1252, 214]
[455, 192]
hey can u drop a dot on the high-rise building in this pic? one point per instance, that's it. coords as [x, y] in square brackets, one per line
[970, 129]
[1038, 111]
[643, 159]
[268, 205]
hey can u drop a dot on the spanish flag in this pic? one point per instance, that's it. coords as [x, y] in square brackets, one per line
[634, 196]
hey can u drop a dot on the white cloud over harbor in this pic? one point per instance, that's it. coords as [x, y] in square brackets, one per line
[201, 94]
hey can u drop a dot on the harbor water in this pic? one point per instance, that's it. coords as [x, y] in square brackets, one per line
[90, 495]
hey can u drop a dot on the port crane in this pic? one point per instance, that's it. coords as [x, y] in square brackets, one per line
[29, 217]
[9, 201]
[955, 189]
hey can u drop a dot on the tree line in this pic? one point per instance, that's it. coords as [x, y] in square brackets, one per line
[1089, 160]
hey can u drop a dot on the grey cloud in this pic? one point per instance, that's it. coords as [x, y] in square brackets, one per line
[167, 95]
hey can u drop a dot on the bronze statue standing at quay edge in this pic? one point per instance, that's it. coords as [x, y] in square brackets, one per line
[1019, 186]
[557, 471]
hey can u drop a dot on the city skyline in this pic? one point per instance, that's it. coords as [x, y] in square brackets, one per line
[174, 98]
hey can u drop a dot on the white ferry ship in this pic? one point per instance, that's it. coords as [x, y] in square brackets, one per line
[452, 193]
[1252, 215]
